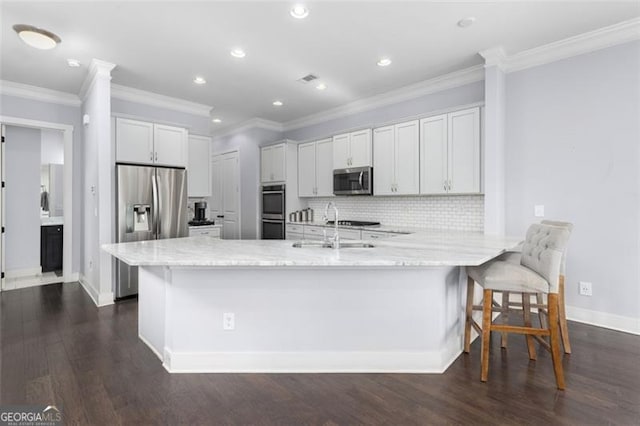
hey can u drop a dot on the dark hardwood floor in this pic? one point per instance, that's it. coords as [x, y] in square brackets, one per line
[58, 348]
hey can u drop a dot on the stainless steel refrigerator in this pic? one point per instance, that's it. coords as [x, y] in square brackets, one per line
[152, 205]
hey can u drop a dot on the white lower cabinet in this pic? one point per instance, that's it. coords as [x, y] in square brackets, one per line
[208, 231]
[294, 232]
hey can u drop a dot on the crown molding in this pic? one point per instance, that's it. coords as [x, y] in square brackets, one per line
[494, 57]
[433, 85]
[25, 91]
[253, 123]
[161, 101]
[97, 68]
[591, 41]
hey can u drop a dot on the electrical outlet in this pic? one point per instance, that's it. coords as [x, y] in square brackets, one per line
[585, 288]
[228, 321]
[538, 210]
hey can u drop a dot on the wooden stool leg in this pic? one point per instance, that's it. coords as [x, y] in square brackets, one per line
[555, 339]
[469, 313]
[505, 317]
[564, 329]
[526, 313]
[541, 311]
[486, 333]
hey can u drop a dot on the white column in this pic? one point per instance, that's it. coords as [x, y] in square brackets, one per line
[98, 225]
[494, 142]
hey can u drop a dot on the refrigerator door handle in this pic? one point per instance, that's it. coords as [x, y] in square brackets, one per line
[156, 205]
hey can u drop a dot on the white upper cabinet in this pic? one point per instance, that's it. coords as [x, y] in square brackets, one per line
[450, 153]
[148, 143]
[324, 168]
[307, 169]
[134, 141]
[199, 168]
[273, 163]
[171, 145]
[396, 162]
[315, 169]
[352, 149]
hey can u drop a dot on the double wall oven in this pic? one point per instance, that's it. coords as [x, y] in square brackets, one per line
[273, 212]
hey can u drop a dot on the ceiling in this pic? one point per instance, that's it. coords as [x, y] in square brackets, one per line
[161, 46]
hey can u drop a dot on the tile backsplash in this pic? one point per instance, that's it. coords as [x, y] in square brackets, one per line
[458, 212]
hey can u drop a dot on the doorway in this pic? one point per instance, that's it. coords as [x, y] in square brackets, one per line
[62, 179]
[225, 193]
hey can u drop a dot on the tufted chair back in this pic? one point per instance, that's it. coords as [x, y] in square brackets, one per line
[569, 226]
[543, 251]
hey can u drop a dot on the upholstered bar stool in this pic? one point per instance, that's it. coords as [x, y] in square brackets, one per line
[514, 257]
[538, 272]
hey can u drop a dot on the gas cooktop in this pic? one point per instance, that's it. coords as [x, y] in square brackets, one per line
[201, 222]
[354, 223]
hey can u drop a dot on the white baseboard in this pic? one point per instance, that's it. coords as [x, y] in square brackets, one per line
[604, 319]
[20, 273]
[73, 277]
[100, 299]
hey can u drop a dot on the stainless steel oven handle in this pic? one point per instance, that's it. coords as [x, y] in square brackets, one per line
[273, 221]
[273, 192]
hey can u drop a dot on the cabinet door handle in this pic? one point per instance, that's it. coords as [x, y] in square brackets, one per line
[156, 155]
[449, 185]
[151, 155]
[444, 186]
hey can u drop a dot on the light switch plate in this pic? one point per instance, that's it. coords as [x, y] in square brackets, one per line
[586, 288]
[538, 210]
[228, 321]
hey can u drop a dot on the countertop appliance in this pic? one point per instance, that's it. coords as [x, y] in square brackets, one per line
[353, 181]
[152, 205]
[273, 212]
[354, 223]
[200, 211]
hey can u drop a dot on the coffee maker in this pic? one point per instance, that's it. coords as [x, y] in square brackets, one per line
[200, 214]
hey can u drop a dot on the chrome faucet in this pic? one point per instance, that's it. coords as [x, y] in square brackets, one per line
[336, 239]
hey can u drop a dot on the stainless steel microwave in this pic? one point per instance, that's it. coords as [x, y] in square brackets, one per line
[353, 181]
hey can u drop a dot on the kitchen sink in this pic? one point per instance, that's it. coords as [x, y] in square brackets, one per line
[322, 244]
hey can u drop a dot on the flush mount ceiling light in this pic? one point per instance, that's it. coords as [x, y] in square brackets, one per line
[37, 37]
[73, 63]
[384, 62]
[321, 86]
[299, 11]
[238, 53]
[466, 22]
[278, 103]
[217, 120]
[199, 80]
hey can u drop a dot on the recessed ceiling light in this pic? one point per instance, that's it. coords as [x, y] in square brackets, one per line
[217, 120]
[199, 80]
[73, 63]
[466, 22]
[299, 11]
[383, 62]
[37, 37]
[238, 53]
[321, 86]
[277, 103]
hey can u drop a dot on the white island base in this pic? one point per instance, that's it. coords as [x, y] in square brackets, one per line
[288, 319]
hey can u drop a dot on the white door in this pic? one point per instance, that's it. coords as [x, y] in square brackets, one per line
[217, 183]
[278, 163]
[2, 214]
[464, 151]
[307, 169]
[384, 161]
[406, 159]
[199, 169]
[360, 148]
[170, 145]
[134, 141]
[324, 168]
[341, 151]
[266, 170]
[433, 155]
[231, 196]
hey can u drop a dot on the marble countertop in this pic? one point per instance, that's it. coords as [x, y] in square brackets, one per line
[52, 221]
[424, 248]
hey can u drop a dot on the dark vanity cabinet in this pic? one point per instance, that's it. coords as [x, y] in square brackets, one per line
[51, 248]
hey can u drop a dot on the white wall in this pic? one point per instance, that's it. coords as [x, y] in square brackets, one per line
[22, 208]
[248, 143]
[12, 106]
[52, 147]
[573, 145]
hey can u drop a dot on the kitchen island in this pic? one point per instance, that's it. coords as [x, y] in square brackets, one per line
[396, 307]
